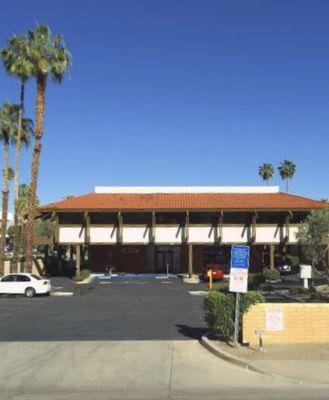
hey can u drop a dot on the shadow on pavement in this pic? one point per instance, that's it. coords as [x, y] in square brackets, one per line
[192, 332]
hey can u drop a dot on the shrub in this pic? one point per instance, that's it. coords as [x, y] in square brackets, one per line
[271, 274]
[293, 260]
[320, 297]
[296, 290]
[219, 310]
[255, 280]
[84, 274]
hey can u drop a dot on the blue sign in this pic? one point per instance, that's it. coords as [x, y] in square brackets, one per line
[240, 257]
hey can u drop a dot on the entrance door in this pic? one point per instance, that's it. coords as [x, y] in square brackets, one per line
[164, 261]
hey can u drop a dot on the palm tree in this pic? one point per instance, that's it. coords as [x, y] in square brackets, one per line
[16, 62]
[287, 171]
[49, 57]
[24, 138]
[22, 210]
[266, 172]
[8, 122]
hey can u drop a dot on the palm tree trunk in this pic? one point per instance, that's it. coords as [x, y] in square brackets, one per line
[40, 110]
[16, 175]
[5, 198]
[287, 185]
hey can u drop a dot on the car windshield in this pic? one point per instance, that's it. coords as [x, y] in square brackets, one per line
[36, 277]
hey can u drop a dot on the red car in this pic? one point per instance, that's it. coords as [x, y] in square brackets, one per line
[217, 273]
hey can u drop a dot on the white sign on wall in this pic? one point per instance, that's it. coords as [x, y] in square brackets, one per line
[274, 320]
[238, 280]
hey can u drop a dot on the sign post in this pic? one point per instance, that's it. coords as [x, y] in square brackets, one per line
[239, 279]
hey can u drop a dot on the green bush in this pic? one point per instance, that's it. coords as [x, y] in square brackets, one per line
[292, 260]
[320, 297]
[219, 310]
[255, 280]
[271, 274]
[84, 274]
[296, 290]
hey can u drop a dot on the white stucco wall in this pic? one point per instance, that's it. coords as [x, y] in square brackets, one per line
[103, 234]
[292, 234]
[202, 234]
[235, 234]
[268, 234]
[69, 234]
[174, 234]
[139, 234]
[168, 234]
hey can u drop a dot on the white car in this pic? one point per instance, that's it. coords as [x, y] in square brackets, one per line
[21, 283]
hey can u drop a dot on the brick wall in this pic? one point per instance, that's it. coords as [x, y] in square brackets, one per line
[287, 323]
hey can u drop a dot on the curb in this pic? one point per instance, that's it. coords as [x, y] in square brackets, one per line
[240, 362]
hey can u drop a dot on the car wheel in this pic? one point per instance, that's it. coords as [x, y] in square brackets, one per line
[29, 292]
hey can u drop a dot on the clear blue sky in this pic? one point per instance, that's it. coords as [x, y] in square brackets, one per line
[181, 92]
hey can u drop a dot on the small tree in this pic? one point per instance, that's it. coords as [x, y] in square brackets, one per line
[313, 234]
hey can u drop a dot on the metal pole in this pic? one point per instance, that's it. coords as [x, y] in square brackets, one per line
[237, 318]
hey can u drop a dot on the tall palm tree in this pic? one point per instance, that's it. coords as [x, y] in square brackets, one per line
[22, 210]
[20, 139]
[16, 62]
[8, 122]
[49, 57]
[266, 172]
[287, 171]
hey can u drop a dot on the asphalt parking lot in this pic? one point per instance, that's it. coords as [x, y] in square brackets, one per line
[140, 309]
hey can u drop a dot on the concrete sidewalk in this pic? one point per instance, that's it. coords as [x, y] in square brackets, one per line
[307, 363]
[99, 370]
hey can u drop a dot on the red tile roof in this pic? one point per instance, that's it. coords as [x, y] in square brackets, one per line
[183, 201]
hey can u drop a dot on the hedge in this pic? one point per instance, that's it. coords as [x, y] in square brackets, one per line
[219, 310]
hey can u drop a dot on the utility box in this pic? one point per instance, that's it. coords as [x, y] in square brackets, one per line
[305, 271]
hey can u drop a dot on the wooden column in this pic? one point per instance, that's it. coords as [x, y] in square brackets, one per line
[287, 226]
[153, 223]
[186, 227]
[87, 227]
[254, 227]
[272, 250]
[220, 227]
[190, 260]
[119, 227]
[56, 233]
[77, 259]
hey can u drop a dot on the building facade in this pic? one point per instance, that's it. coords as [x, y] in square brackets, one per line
[177, 229]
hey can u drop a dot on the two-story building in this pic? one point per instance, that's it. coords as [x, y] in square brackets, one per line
[177, 229]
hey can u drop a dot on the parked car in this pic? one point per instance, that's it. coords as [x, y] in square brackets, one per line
[288, 269]
[217, 272]
[28, 284]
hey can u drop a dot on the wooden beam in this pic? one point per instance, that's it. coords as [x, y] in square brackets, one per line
[219, 227]
[254, 227]
[119, 227]
[287, 226]
[272, 250]
[87, 227]
[153, 224]
[186, 227]
[190, 260]
[56, 232]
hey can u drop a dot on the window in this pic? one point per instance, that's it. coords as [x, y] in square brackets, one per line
[9, 278]
[22, 278]
[36, 277]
